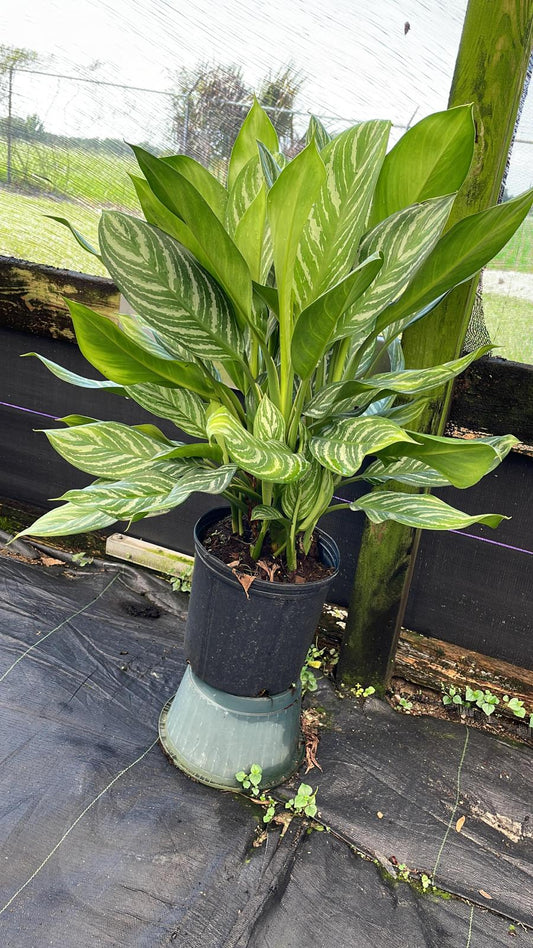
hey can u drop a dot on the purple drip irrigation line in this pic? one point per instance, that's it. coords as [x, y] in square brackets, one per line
[472, 536]
[30, 411]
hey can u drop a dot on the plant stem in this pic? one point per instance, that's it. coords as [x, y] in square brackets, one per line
[341, 351]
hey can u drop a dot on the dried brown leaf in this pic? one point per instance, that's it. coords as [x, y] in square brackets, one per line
[245, 580]
[50, 561]
[310, 723]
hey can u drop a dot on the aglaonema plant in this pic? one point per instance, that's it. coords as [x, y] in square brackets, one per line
[268, 321]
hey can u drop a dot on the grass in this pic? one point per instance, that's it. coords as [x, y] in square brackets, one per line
[27, 234]
[510, 325]
[518, 254]
[98, 179]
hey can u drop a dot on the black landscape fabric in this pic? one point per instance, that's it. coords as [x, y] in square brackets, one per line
[106, 843]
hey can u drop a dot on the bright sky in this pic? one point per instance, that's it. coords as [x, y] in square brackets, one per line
[356, 57]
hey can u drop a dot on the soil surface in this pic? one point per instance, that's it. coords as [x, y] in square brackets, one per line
[234, 551]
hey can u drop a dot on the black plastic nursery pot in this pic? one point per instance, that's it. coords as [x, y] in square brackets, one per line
[256, 644]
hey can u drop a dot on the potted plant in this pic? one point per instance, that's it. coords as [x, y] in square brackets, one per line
[264, 311]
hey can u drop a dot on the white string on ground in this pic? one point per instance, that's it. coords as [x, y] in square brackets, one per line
[61, 624]
[454, 810]
[470, 928]
[75, 823]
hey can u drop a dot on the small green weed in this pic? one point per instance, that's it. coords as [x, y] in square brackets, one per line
[484, 700]
[182, 583]
[321, 659]
[304, 803]
[357, 691]
[82, 559]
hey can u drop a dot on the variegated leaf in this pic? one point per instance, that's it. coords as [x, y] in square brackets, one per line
[316, 130]
[269, 423]
[105, 448]
[342, 446]
[74, 379]
[418, 381]
[407, 413]
[328, 246]
[269, 460]
[262, 512]
[458, 256]
[405, 471]
[332, 398]
[405, 239]
[213, 246]
[136, 329]
[185, 409]
[203, 480]
[153, 481]
[463, 462]
[243, 193]
[66, 520]
[314, 488]
[164, 284]
[423, 512]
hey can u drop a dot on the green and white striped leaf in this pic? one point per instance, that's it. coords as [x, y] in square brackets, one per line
[105, 448]
[316, 130]
[246, 217]
[106, 347]
[432, 158]
[313, 490]
[457, 257]
[269, 423]
[405, 471]
[418, 381]
[405, 239]
[342, 396]
[136, 329]
[185, 409]
[269, 166]
[262, 512]
[213, 248]
[316, 323]
[328, 246]
[163, 283]
[205, 481]
[267, 459]
[424, 512]
[463, 462]
[256, 127]
[157, 480]
[342, 446]
[66, 520]
[74, 379]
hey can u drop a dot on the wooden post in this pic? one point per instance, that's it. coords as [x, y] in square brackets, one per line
[490, 71]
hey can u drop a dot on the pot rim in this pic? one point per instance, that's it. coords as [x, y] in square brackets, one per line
[263, 586]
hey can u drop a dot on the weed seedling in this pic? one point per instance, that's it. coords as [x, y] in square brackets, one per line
[82, 559]
[252, 780]
[304, 803]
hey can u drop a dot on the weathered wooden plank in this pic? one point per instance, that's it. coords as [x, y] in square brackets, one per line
[490, 71]
[32, 297]
[495, 396]
[432, 662]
